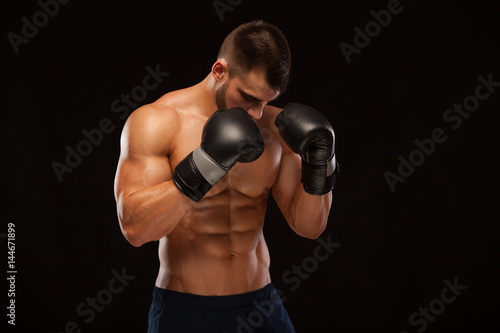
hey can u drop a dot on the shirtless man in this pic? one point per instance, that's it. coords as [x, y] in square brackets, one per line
[197, 180]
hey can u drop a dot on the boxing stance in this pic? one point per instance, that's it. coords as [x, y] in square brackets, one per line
[195, 171]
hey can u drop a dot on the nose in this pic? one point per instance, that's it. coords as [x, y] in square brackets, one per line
[255, 111]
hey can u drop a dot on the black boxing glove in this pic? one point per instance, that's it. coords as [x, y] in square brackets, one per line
[228, 137]
[308, 133]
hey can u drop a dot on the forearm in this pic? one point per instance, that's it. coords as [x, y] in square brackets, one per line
[310, 136]
[151, 213]
[308, 214]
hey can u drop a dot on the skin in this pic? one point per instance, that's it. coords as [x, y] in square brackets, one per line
[215, 246]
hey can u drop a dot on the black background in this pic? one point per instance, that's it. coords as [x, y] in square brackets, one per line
[397, 247]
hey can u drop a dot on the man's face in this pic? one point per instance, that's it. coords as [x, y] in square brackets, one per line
[249, 91]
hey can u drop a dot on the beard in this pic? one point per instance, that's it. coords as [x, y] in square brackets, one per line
[220, 96]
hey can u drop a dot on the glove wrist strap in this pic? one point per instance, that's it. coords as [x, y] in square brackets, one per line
[319, 179]
[209, 169]
[196, 174]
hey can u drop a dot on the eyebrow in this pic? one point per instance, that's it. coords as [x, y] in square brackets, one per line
[244, 94]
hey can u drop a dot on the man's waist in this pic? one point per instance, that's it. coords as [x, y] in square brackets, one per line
[211, 302]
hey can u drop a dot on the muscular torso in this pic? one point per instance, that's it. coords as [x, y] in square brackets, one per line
[218, 248]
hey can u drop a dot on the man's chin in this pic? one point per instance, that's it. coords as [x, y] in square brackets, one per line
[221, 104]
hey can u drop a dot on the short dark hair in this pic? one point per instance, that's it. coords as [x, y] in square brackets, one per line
[258, 45]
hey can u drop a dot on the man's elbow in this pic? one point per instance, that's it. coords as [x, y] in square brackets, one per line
[133, 237]
[312, 232]
[131, 231]
[136, 234]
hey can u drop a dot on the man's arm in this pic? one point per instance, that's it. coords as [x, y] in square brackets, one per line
[306, 214]
[308, 168]
[149, 204]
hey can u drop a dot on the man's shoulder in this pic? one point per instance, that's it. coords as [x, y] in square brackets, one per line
[168, 108]
[177, 100]
[155, 114]
[152, 127]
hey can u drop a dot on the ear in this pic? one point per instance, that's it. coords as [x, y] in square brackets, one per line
[219, 70]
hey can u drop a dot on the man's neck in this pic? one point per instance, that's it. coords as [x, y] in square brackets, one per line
[205, 94]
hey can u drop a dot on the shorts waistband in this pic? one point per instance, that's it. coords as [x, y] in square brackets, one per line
[226, 302]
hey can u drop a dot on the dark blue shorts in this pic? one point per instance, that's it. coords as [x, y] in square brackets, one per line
[254, 312]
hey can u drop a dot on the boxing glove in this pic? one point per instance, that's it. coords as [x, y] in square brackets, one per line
[228, 137]
[308, 133]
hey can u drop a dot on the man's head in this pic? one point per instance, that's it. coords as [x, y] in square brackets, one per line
[252, 67]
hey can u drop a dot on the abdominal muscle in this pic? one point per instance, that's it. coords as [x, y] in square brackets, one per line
[218, 248]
